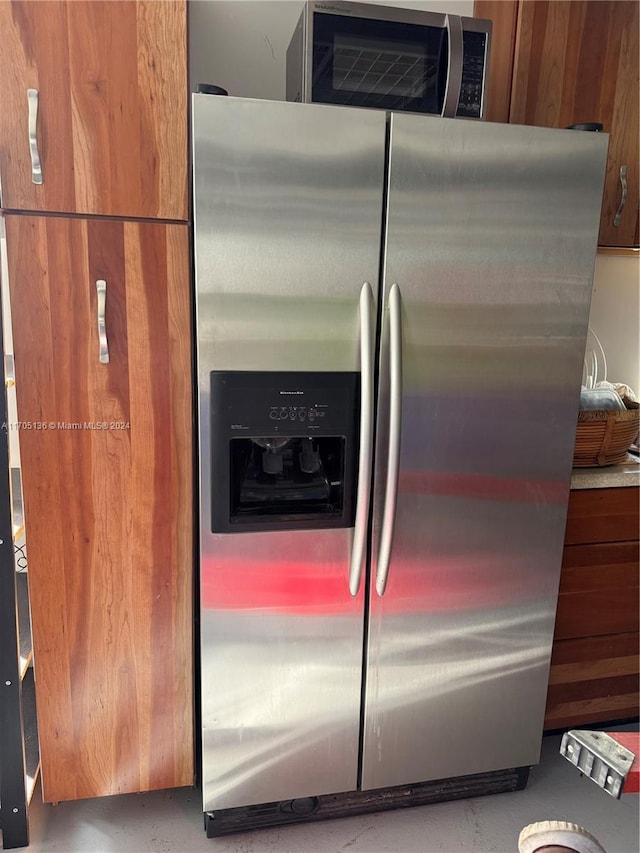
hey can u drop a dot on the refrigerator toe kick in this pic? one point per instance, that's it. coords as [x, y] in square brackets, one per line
[350, 803]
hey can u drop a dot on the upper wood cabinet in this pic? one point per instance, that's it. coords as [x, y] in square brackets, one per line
[110, 79]
[565, 62]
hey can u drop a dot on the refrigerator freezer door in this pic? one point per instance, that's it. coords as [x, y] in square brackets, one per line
[287, 231]
[491, 238]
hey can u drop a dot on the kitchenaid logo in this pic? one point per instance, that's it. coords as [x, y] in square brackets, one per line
[327, 7]
[291, 393]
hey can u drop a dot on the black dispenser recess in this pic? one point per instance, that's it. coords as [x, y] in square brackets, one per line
[284, 450]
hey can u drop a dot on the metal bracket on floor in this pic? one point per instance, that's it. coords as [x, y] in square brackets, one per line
[601, 757]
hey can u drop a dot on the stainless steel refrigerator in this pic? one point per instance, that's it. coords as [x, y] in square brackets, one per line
[391, 319]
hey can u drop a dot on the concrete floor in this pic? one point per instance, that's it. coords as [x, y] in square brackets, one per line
[171, 822]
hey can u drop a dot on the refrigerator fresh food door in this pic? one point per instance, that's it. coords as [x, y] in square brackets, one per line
[490, 246]
[287, 234]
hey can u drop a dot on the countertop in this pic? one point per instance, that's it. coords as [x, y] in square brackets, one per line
[616, 476]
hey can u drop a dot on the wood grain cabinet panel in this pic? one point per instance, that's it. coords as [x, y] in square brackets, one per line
[112, 115]
[574, 61]
[594, 664]
[106, 452]
[602, 515]
[598, 591]
[593, 680]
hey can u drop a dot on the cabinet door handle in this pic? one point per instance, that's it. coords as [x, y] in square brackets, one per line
[623, 199]
[36, 167]
[103, 354]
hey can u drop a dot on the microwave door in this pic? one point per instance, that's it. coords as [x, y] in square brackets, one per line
[382, 64]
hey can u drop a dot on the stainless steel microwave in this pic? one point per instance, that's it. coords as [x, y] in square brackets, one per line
[365, 55]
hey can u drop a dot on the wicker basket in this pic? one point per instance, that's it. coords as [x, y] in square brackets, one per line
[603, 438]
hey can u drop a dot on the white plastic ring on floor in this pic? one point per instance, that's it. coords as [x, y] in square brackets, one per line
[559, 833]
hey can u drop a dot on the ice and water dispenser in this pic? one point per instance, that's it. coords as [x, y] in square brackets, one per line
[284, 450]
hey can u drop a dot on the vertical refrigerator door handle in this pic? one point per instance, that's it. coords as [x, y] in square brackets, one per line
[103, 351]
[36, 166]
[395, 425]
[454, 68]
[365, 460]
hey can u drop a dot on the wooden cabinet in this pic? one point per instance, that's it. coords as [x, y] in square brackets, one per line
[108, 497]
[111, 129]
[106, 444]
[594, 665]
[565, 62]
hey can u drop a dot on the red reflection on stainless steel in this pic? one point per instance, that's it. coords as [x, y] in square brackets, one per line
[483, 487]
[450, 583]
[275, 585]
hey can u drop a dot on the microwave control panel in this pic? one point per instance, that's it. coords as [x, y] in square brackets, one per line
[473, 72]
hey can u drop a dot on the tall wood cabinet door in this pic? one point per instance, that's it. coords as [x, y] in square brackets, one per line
[110, 80]
[106, 451]
[577, 61]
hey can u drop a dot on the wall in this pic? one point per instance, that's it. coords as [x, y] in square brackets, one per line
[241, 45]
[615, 316]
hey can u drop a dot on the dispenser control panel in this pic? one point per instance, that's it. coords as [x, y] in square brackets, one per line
[247, 401]
[298, 413]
